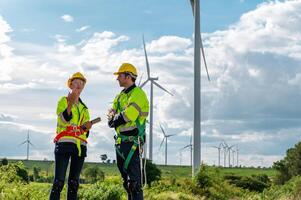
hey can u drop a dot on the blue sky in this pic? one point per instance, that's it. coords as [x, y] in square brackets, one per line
[252, 49]
[153, 18]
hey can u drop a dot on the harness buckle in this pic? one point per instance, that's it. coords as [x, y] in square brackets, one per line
[131, 138]
[76, 131]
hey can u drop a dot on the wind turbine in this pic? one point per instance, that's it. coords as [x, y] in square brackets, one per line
[229, 148]
[198, 45]
[237, 152]
[180, 157]
[190, 147]
[27, 141]
[165, 138]
[233, 157]
[152, 83]
[219, 152]
[225, 146]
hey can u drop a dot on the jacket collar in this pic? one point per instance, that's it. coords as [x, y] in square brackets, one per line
[127, 90]
[79, 99]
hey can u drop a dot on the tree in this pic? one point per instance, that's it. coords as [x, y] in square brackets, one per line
[290, 166]
[4, 161]
[103, 157]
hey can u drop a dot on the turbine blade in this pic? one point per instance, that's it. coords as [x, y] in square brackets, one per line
[161, 143]
[144, 83]
[202, 48]
[186, 146]
[171, 135]
[162, 88]
[146, 60]
[31, 144]
[192, 6]
[140, 80]
[162, 130]
[22, 143]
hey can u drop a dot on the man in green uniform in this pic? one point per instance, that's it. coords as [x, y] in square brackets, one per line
[128, 116]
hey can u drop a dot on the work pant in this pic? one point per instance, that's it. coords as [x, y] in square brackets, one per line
[62, 157]
[131, 176]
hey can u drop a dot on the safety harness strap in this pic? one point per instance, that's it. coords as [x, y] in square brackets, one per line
[123, 138]
[73, 131]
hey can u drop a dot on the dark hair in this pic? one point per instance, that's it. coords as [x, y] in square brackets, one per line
[129, 74]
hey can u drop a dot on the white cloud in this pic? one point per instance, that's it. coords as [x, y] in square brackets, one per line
[5, 28]
[48, 116]
[60, 38]
[67, 18]
[7, 117]
[83, 28]
[27, 30]
[169, 44]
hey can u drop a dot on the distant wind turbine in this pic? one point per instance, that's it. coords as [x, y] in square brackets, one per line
[190, 148]
[152, 83]
[180, 157]
[237, 152]
[219, 152]
[165, 138]
[233, 157]
[229, 148]
[225, 147]
[27, 141]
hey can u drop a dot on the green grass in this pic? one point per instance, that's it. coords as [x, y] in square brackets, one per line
[169, 171]
[249, 171]
[175, 171]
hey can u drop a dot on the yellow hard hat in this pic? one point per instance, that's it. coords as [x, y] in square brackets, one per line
[127, 68]
[76, 75]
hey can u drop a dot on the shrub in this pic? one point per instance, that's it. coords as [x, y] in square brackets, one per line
[102, 191]
[14, 172]
[36, 173]
[94, 174]
[152, 172]
[209, 183]
[254, 183]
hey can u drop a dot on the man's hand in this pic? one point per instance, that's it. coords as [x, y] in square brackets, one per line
[111, 114]
[87, 126]
[73, 96]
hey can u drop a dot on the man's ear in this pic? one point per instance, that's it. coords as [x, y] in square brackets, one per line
[128, 76]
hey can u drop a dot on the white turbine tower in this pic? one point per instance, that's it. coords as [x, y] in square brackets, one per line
[225, 147]
[165, 138]
[27, 141]
[233, 157]
[237, 152]
[152, 83]
[198, 46]
[229, 148]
